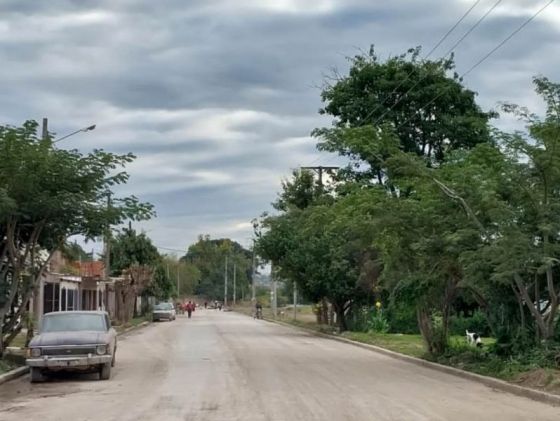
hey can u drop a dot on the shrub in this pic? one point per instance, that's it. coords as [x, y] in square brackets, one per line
[475, 323]
[402, 319]
[378, 322]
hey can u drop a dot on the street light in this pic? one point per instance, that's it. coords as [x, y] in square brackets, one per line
[85, 129]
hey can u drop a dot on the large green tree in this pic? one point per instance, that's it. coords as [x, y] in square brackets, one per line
[421, 102]
[130, 249]
[209, 257]
[47, 195]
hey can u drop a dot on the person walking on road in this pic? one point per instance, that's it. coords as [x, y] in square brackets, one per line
[189, 309]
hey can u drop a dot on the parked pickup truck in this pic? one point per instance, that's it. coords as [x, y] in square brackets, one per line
[73, 340]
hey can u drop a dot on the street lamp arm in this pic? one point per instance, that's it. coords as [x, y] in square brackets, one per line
[85, 129]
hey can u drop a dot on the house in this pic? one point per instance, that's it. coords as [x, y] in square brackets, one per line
[93, 286]
[68, 286]
[58, 289]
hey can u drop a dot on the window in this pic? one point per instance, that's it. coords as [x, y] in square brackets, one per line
[72, 322]
[63, 296]
[51, 297]
[71, 302]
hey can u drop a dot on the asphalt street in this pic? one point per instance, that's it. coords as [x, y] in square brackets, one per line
[225, 366]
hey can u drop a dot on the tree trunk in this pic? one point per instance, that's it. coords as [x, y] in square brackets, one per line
[340, 316]
[521, 310]
[535, 313]
[331, 315]
[425, 327]
[324, 311]
[551, 317]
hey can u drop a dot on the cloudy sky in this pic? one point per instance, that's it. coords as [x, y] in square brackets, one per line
[217, 97]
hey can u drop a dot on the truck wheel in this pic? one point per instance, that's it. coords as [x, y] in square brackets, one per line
[114, 358]
[37, 375]
[105, 372]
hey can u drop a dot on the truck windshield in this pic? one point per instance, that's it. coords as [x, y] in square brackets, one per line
[73, 322]
[164, 306]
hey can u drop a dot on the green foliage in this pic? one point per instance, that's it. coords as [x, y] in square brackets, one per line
[75, 252]
[402, 318]
[434, 210]
[475, 323]
[48, 194]
[208, 256]
[378, 322]
[129, 248]
[389, 93]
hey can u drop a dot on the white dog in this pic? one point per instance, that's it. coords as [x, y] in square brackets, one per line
[473, 339]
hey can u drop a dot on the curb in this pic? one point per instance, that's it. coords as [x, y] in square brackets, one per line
[536, 395]
[13, 374]
[131, 328]
[21, 371]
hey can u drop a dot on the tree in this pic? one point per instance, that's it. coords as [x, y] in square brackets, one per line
[325, 249]
[186, 272]
[423, 103]
[209, 257]
[299, 192]
[46, 196]
[524, 248]
[129, 248]
[133, 254]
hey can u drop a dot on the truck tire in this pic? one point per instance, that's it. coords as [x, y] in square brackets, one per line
[37, 375]
[105, 372]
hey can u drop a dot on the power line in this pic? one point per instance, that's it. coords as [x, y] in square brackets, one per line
[434, 48]
[449, 52]
[170, 249]
[452, 29]
[486, 56]
[481, 60]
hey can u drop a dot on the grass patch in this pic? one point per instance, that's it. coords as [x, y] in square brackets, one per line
[6, 366]
[136, 321]
[19, 341]
[412, 345]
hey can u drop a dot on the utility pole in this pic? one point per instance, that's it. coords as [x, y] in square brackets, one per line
[295, 300]
[178, 291]
[320, 170]
[107, 245]
[225, 284]
[253, 289]
[234, 282]
[274, 302]
[45, 131]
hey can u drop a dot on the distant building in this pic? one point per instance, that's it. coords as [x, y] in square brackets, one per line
[68, 286]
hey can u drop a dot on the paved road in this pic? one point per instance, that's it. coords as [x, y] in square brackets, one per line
[225, 366]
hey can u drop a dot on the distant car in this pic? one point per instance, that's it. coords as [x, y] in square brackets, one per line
[73, 340]
[163, 311]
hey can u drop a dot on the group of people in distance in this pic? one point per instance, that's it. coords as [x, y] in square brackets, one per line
[188, 307]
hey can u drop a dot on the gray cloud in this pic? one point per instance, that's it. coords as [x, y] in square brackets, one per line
[217, 98]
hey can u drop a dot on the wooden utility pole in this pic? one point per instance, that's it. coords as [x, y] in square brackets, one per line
[295, 300]
[225, 284]
[234, 283]
[274, 303]
[320, 171]
[45, 130]
[253, 288]
[107, 245]
[178, 288]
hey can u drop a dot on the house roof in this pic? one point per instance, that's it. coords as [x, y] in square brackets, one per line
[95, 269]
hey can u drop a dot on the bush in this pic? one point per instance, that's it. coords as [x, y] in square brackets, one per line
[357, 319]
[402, 319]
[378, 322]
[475, 323]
